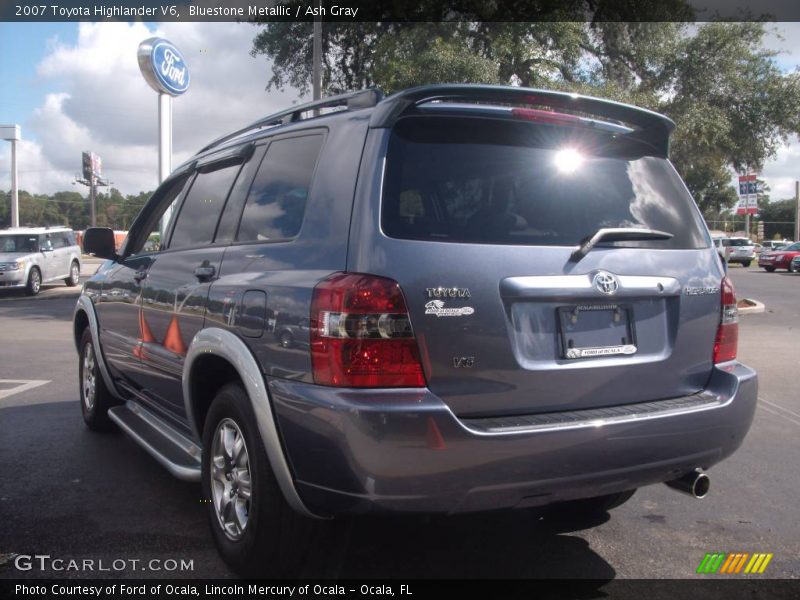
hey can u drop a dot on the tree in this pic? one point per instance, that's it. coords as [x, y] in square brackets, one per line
[732, 104]
[72, 209]
[778, 218]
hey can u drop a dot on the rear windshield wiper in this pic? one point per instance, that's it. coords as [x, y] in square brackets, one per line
[616, 234]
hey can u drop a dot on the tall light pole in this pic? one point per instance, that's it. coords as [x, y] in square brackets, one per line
[11, 133]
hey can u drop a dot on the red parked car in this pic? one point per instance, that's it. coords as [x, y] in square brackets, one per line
[780, 259]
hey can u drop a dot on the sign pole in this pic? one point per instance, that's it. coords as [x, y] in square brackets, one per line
[164, 148]
[164, 69]
[14, 186]
[93, 200]
[747, 211]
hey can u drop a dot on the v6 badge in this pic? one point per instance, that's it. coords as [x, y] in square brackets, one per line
[463, 362]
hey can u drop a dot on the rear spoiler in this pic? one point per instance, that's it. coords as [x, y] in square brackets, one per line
[649, 127]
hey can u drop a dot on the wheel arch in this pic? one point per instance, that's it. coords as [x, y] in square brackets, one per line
[229, 355]
[83, 317]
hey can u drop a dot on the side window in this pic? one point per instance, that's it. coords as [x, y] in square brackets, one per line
[145, 234]
[276, 203]
[45, 243]
[59, 240]
[70, 235]
[202, 206]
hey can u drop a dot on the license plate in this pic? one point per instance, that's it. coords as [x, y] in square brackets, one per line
[596, 330]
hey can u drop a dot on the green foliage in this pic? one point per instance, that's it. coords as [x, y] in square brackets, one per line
[778, 219]
[732, 105]
[72, 209]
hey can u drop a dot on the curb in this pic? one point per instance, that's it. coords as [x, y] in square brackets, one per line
[757, 307]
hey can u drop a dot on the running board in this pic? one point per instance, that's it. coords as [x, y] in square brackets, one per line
[176, 452]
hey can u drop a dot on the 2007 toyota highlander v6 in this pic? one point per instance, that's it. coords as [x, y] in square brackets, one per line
[498, 297]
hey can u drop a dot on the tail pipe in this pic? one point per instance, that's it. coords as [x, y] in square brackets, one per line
[696, 484]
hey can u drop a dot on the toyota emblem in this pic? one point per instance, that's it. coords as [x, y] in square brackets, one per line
[605, 282]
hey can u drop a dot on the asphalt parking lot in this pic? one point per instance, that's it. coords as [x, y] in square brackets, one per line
[73, 494]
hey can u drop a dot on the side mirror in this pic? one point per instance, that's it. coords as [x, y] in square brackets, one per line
[100, 242]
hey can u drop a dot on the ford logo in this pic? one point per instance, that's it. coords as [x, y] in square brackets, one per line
[163, 66]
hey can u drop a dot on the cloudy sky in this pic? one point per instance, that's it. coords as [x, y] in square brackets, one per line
[77, 86]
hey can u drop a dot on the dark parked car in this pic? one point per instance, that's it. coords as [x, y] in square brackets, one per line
[512, 301]
[779, 259]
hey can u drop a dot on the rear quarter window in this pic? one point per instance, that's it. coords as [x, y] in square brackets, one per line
[276, 204]
[507, 182]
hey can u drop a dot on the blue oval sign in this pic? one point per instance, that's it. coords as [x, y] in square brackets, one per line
[163, 66]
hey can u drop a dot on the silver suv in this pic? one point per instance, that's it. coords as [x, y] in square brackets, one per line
[739, 250]
[32, 256]
[443, 301]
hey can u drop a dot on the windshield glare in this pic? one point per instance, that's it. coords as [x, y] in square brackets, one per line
[18, 243]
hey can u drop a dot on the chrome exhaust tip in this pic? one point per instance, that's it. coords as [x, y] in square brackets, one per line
[696, 484]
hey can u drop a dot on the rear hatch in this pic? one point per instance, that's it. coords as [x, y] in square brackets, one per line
[479, 222]
[739, 248]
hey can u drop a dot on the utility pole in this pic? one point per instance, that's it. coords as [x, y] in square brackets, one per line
[317, 57]
[796, 211]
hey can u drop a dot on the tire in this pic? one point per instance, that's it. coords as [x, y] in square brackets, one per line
[746, 264]
[791, 269]
[286, 339]
[592, 506]
[74, 274]
[769, 269]
[257, 534]
[34, 284]
[95, 397]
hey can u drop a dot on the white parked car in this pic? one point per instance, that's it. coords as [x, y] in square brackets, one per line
[736, 250]
[32, 256]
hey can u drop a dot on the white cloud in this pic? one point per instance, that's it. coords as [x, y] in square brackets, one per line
[783, 171]
[104, 105]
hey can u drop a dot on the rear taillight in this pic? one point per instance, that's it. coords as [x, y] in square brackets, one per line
[361, 334]
[727, 339]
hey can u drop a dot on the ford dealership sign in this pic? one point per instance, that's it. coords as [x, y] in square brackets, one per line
[163, 66]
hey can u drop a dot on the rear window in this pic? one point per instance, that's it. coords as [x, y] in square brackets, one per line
[737, 242]
[506, 182]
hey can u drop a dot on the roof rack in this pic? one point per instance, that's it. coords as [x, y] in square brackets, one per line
[352, 100]
[651, 127]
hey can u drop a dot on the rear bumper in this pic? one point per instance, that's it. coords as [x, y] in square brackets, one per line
[355, 451]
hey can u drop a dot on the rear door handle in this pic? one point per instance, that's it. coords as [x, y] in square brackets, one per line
[139, 275]
[204, 272]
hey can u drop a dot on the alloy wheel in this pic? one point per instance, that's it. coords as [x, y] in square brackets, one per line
[89, 378]
[231, 484]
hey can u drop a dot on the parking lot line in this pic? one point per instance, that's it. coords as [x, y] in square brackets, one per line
[779, 407]
[22, 385]
[782, 416]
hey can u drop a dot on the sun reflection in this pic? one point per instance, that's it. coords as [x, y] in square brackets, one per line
[568, 160]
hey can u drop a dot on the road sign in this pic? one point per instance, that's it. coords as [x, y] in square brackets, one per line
[748, 195]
